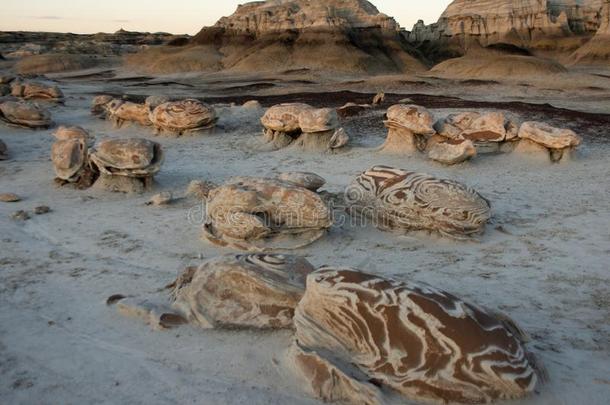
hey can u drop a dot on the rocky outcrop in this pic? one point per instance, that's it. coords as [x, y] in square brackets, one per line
[281, 35]
[531, 24]
[361, 338]
[547, 141]
[597, 50]
[408, 126]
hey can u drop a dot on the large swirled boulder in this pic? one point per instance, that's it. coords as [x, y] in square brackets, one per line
[400, 200]
[126, 165]
[254, 290]
[121, 111]
[179, 117]
[25, 115]
[360, 337]
[408, 128]
[36, 91]
[250, 213]
[538, 137]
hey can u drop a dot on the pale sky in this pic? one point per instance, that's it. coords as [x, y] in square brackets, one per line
[176, 16]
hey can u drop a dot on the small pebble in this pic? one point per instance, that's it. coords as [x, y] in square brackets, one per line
[21, 215]
[9, 197]
[163, 198]
[43, 209]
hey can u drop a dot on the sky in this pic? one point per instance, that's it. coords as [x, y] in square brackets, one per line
[175, 16]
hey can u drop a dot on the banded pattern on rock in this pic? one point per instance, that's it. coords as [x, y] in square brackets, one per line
[120, 111]
[401, 200]
[253, 290]
[249, 209]
[424, 343]
[36, 91]
[179, 117]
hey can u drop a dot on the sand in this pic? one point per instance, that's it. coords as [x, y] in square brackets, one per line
[544, 258]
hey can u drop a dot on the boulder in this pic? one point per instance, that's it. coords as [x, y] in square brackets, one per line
[541, 138]
[408, 128]
[121, 111]
[404, 201]
[310, 181]
[452, 151]
[361, 338]
[185, 116]
[23, 114]
[255, 291]
[36, 91]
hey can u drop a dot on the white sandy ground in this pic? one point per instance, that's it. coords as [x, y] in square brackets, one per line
[544, 260]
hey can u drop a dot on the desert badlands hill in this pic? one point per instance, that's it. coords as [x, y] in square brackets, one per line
[306, 203]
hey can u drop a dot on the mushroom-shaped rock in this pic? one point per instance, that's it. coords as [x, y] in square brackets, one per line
[487, 131]
[249, 213]
[490, 127]
[310, 181]
[179, 117]
[3, 151]
[36, 91]
[25, 115]
[252, 290]
[361, 338]
[64, 133]
[281, 124]
[99, 105]
[399, 200]
[71, 162]
[153, 102]
[121, 111]
[320, 130]
[540, 137]
[452, 151]
[408, 128]
[126, 165]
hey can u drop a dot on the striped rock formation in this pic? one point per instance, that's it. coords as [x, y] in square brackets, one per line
[361, 338]
[408, 128]
[126, 165]
[254, 290]
[36, 91]
[26, 115]
[250, 213]
[185, 116]
[403, 201]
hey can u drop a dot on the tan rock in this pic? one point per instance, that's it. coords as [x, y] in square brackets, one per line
[99, 105]
[249, 213]
[352, 109]
[9, 197]
[70, 159]
[452, 152]
[405, 201]
[64, 133]
[254, 291]
[284, 117]
[379, 98]
[408, 128]
[252, 105]
[185, 116]
[20, 215]
[318, 120]
[36, 91]
[161, 199]
[407, 338]
[153, 102]
[126, 165]
[310, 181]
[548, 136]
[489, 127]
[25, 115]
[121, 111]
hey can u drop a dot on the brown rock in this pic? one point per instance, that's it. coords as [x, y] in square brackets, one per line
[20, 215]
[548, 136]
[490, 127]
[9, 197]
[121, 111]
[36, 91]
[408, 128]
[99, 105]
[41, 210]
[3, 151]
[186, 116]
[452, 152]
[251, 213]
[255, 291]
[25, 115]
[310, 181]
[412, 339]
[405, 201]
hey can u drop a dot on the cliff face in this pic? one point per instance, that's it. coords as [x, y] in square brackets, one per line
[597, 50]
[337, 35]
[525, 23]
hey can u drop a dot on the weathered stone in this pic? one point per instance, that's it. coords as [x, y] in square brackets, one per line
[406, 201]
[185, 116]
[452, 151]
[256, 291]
[153, 102]
[99, 105]
[408, 128]
[489, 127]
[126, 165]
[41, 210]
[67, 133]
[453, 126]
[121, 111]
[160, 199]
[36, 91]
[249, 213]
[548, 136]
[9, 197]
[318, 120]
[389, 337]
[379, 98]
[3, 151]
[310, 181]
[352, 109]
[20, 215]
[25, 115]
[284, 117]
[70, 159]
